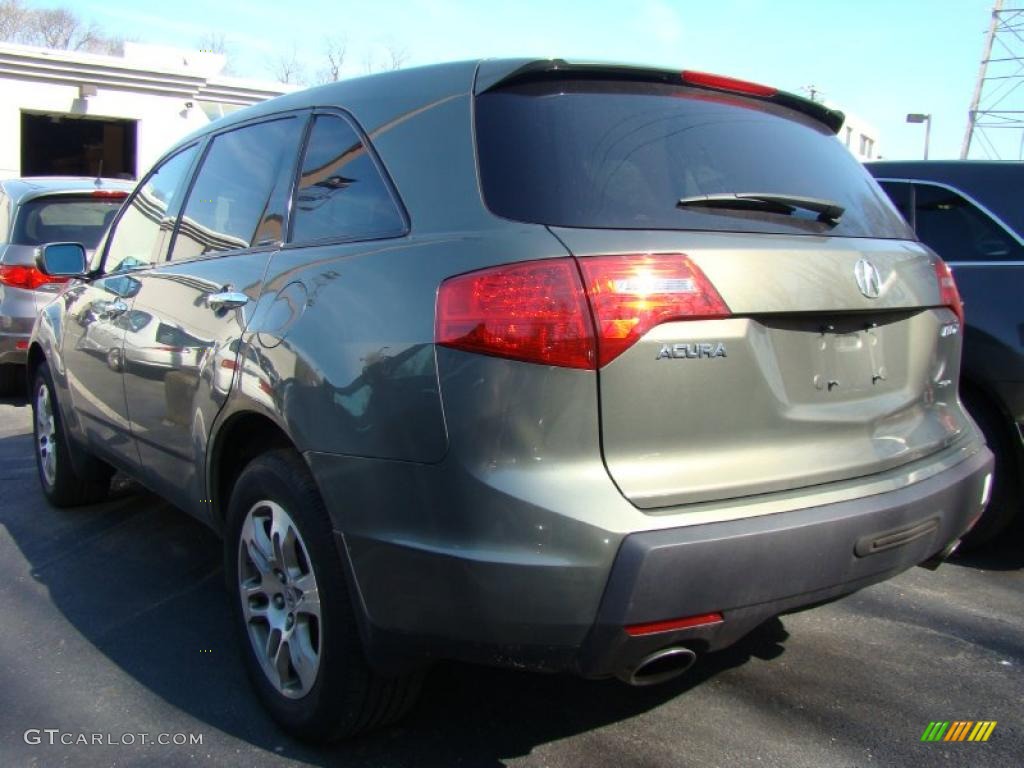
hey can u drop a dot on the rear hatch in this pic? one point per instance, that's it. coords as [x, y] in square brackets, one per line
[795, 335]
[61, 217]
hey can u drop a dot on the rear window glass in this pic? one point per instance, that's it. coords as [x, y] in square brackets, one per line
[64, 220]
[620, 155]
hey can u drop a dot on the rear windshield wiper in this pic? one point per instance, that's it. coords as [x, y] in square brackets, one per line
[827, 210]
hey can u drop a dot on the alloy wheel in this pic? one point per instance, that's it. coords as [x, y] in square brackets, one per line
[280, 599]
[46, 435]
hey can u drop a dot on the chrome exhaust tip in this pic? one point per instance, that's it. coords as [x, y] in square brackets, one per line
[659, 667]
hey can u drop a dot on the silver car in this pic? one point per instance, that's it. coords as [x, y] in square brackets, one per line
[565, 367]
[34, 211]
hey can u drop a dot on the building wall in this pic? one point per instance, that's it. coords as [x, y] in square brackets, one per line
[860, 137]
[150, 85]
[162, 120]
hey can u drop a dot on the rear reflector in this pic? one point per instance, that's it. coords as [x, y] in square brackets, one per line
[949, 295]
[29, 278]
[631, 294]
[538, 311]
[533, 311]
[21, 345]
[651, 628]
[721, 83]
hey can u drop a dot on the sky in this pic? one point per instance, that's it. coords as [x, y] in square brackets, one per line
[878, 59]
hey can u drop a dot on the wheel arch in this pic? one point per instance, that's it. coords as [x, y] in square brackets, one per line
[36, 357]
[240, 438]
[976, 392]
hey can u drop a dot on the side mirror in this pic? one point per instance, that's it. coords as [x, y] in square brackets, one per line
[61, 259]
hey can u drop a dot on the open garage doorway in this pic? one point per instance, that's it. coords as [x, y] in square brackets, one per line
[68, 145]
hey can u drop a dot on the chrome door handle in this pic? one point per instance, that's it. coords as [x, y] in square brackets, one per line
[114, 309]
[226, 300]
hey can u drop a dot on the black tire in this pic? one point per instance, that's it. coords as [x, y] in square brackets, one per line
[62, 484]
[12, 380]
[348, 696]
[1005, 502]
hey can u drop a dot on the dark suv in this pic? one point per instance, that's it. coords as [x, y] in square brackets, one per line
[970, 214]
[563, 367]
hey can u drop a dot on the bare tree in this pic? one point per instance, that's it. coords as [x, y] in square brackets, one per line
[393, 58]
[287, 68]
[217, 42]
[334, 50]
[13, 17]
[213, 42]
[57, 28]
[369, 62]
[396, 56]
[60, 28]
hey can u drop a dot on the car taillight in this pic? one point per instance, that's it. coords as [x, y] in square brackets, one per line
[110, 194]
[631, 294]
[722, 83]
[532, 311]
[949, 296]
[30, 278]
[690, 622]
[538, 311]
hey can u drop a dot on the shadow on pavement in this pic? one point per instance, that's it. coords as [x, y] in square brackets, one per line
[1006, 553]
[142, 582]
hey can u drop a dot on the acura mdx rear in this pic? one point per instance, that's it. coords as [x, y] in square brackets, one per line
[723, 387]
[564, 367]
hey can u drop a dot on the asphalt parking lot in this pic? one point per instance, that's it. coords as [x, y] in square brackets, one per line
[114, 621]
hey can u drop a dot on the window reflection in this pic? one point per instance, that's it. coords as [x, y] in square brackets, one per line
[140, 236]
[240, 194]
[341, 193]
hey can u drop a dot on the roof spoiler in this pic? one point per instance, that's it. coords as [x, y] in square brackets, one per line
[491, 77]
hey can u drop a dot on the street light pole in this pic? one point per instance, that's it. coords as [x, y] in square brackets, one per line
[918, 117]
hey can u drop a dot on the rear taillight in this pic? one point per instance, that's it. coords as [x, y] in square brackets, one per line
[110, 194]
[633, 293]
[722, 83]
[690, 622]
[30, 278]
[538, 311]
[532, 311]
[949, 296]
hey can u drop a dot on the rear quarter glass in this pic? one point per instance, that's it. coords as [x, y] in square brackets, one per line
[620, 155]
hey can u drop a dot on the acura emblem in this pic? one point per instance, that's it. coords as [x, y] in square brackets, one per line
[868, 281]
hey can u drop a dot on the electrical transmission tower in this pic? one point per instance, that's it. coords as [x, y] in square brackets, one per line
[995, 123]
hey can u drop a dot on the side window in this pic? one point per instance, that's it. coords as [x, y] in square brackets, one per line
[899, 193]
[140, 236]
[958, 231]
[240, 196]
[341, 193]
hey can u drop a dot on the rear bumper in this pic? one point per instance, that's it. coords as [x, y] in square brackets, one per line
[9, 348]
[753, 569]
[17, 315]
[568, 611]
